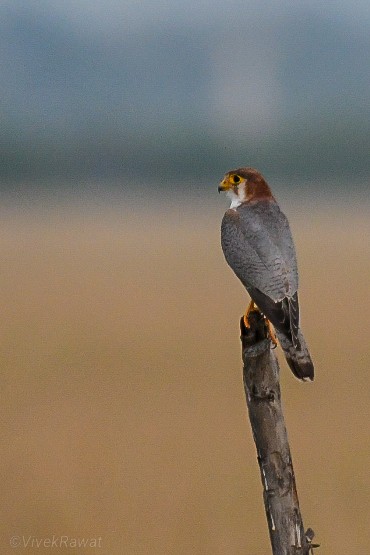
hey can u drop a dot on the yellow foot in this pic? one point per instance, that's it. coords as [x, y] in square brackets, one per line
[250, 309]
[271, 333]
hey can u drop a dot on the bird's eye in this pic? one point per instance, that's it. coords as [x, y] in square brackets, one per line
[236, 179]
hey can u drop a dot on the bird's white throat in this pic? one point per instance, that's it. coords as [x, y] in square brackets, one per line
[235, 199]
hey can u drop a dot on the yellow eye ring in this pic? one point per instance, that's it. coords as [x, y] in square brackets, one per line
[236, 179]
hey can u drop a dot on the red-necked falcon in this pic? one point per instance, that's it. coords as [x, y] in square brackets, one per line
[258, 246]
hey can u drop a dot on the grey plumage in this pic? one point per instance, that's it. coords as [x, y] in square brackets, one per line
[258, 246]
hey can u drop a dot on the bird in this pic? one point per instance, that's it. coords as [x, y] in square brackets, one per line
[258, 246]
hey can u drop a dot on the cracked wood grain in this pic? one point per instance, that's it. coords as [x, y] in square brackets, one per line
[262, 389]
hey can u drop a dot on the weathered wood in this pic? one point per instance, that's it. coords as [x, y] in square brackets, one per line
[262, 389]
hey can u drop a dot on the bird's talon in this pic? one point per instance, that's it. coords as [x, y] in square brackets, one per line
[250, 309]
[246, 321]
[271, 333]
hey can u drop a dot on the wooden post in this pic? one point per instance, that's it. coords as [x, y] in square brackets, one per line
[262, 389]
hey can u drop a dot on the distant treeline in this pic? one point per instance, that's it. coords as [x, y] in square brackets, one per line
[325, 148]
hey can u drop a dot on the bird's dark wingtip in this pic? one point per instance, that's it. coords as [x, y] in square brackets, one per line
[302, 370]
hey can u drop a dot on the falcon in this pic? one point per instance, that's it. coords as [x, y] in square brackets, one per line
[258, 246]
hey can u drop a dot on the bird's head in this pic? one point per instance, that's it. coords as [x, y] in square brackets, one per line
[244, 184]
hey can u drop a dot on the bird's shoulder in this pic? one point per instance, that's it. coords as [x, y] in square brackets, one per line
[256, 216]
[264, 216]
[261, 209]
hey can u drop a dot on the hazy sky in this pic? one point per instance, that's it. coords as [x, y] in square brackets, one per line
[268, 77]
[115, 14]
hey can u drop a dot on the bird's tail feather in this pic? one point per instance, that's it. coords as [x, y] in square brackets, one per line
[299, 359]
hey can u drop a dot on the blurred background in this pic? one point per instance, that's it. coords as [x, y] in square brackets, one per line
[122, 401]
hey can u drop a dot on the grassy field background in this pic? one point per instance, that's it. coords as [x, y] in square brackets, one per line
[123, 412]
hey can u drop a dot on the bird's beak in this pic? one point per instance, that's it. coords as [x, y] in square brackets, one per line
[223, 186]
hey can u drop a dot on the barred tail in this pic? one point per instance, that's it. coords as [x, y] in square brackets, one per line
[298, 358]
